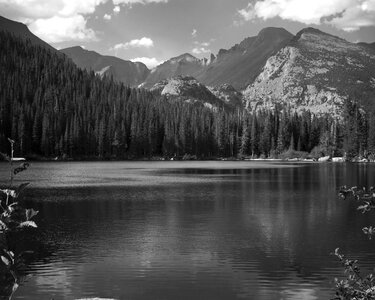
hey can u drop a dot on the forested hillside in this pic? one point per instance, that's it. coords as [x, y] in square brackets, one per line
[125, 71]
[52, 108]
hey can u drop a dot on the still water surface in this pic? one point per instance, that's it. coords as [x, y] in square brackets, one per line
[181, 230]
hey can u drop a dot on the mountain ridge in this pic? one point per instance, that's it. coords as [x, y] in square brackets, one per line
[315, 71]
[188, 89]
[317, 82]
[128, 72]
[310, 70]
[21, 30]
[182, 65]
[239, 65]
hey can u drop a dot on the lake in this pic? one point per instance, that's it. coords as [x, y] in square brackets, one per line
[191, 230]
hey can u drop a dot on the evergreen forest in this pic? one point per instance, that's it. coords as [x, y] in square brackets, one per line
[54, 109]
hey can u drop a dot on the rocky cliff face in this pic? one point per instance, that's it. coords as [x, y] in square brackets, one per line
[240, 65]
[310, 71]
[315, 71]
[228, 94]
[183, 65]
[237, 66]
[188, 89]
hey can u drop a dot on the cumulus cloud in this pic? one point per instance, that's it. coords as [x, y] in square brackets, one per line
[116, 9]
[144, 42]
[130, 2]
[148, 61]
[36, 9]
[57, 20]
[60, 20]
[200, 50]
[201, 47]
[347, 15]
[202, 44]
[107, 17]
[59, 29]
[356, 17]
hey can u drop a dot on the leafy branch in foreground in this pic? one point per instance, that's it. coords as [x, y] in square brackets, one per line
[13, 217]
[355, 285]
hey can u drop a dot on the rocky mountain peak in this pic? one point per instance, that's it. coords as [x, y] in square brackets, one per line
[316, 71]
[228, 94]
[190, 90]
[268, 34]
[240, 64]
[186, 57]
[271, 33]
[77, 48]
[316, 36]
[211, 59]
[185, 65]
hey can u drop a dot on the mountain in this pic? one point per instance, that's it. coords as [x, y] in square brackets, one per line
[315, 71]
[130, 73]
[184, 65]
[188, 89]
[228, 94]
[240, 65]
[52, 108]
[20, 30]
[237, 66]
[368, 45]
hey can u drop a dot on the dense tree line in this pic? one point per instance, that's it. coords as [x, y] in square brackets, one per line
[52, 108]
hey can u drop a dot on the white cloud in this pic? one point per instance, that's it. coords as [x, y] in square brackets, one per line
[344, 14]
[118, 47]
[194, 33]
[36, 9]
[203, 44]
[59, 29]
[143, 42]
[136, 43]
[201, 47]
[130, 2]
[116, 9]
[64, 16]
[356, 17]
[248, 13]
[148, 61]
[107, 17]
[200, 50]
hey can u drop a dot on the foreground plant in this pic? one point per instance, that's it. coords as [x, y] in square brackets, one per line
[356, 286]
[13, 217]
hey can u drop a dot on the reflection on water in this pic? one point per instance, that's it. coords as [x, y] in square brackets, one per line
[211, 231]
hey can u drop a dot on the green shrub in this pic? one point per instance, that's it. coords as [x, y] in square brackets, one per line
[13, 217]
[356, 285]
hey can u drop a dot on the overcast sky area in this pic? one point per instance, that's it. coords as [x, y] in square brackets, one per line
[152, 31]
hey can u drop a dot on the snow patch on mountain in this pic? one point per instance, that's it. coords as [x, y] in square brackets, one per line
[103, 71]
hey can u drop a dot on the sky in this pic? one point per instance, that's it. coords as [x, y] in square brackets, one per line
[153, 31]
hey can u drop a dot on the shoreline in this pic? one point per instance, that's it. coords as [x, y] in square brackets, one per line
[288, 160]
